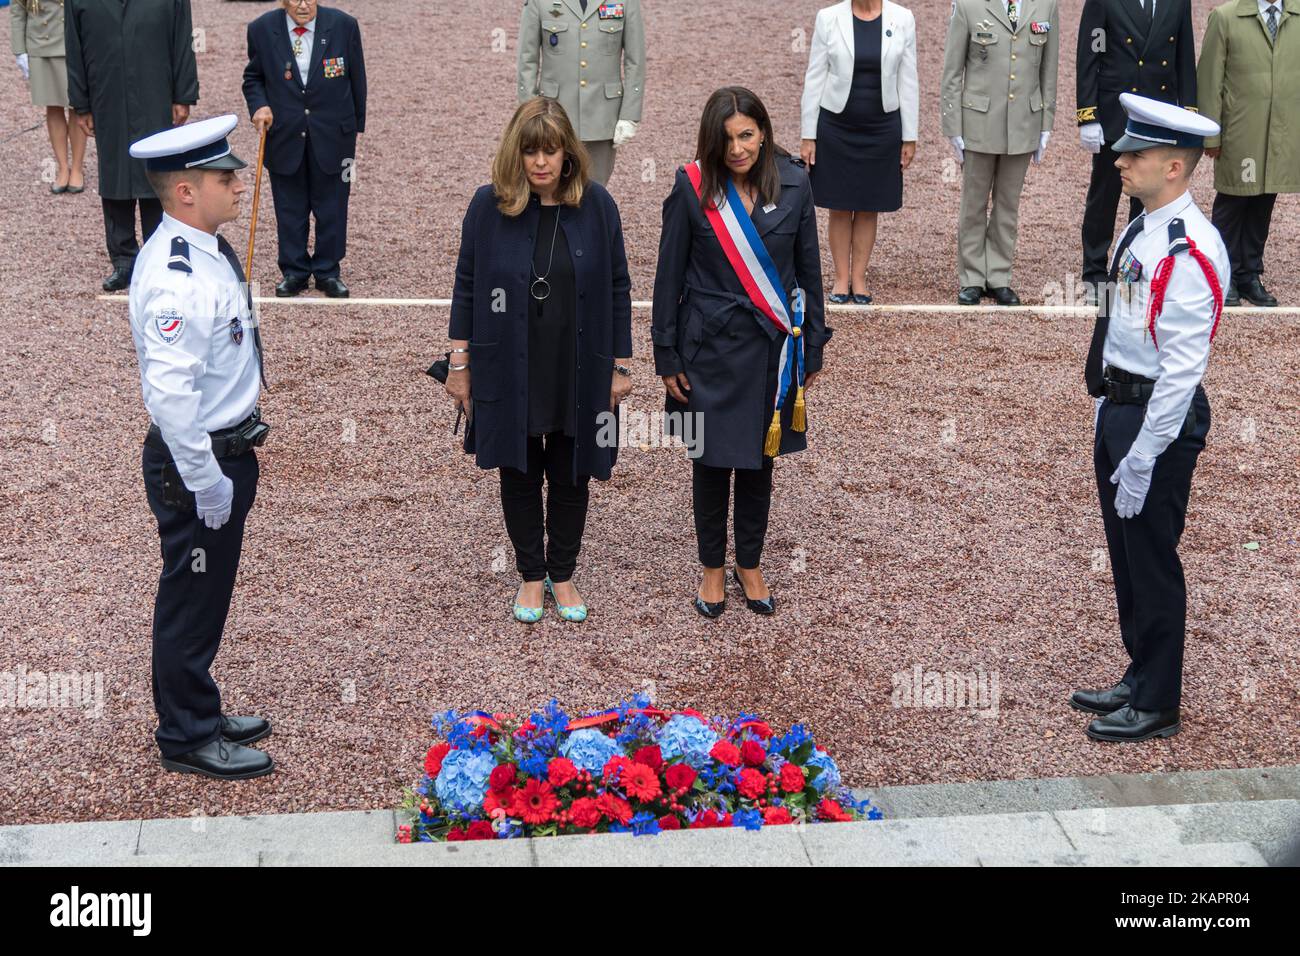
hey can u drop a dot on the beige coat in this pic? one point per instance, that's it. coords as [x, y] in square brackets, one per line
[1251, 87]
[999, 85]
[36, 27]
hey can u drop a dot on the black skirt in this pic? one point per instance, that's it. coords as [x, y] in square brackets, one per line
[858, 150]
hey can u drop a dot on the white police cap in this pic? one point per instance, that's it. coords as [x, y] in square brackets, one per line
[198, 145]
[1155, 123]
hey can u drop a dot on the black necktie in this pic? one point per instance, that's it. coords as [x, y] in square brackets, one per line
[584, 5]
[1092, 370]
[228, 251]
[1145, 18]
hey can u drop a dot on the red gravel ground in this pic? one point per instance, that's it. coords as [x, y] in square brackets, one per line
[944, 516]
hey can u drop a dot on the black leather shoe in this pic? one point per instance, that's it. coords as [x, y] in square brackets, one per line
[244, 730]
[837, 298]
[1105, 701]
[222, 760]
[1230, 296]
[766, 606]
[118, 279]
[1127, 725]
[970, 295]
[1255, 293]
[333, 287]
[290, 286]
[1004, 295]
[708, 609]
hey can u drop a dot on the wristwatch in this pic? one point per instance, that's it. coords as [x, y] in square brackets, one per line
[623, 370]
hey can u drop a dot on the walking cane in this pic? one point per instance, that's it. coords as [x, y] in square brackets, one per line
[257, 194]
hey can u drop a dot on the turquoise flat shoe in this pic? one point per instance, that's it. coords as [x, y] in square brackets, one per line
[569, 612]
[528, 615]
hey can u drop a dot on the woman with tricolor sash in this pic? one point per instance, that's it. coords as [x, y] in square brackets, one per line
[738, 329]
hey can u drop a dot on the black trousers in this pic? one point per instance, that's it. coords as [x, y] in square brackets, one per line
[1149, 588]
[119, 228]
[309, 191]
[545, 544]
[1243, 222]
[198, 577]
[1104, 192]
[711, 494]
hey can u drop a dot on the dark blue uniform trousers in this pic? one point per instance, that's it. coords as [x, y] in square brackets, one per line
[194, 589]
[1149, 586]
[310, 191]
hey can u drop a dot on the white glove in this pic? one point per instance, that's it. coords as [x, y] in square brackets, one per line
[1043, 138]
[1090, 137]
[1096, 414]
[1133, 476]
[213, 504]
[624, 130]
[21, 58]
[958, 147]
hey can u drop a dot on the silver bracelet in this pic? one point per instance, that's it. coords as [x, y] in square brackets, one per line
[455, 351]
[458, 368]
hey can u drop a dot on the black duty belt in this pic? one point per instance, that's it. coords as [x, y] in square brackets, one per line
[1125, 388]
[228, 442]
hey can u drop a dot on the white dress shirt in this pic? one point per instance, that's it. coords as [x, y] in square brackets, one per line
[194, 376]
[1177, 358]
[1263, 9]
[308, 38]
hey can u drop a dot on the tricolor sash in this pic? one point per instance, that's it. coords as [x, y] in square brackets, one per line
[761, 280]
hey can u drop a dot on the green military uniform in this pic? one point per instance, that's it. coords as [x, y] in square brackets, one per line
[999, 96]
[592, 60]
[36, 29]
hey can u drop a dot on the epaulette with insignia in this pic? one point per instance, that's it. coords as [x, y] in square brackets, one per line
[180, 255]
[1178, 241]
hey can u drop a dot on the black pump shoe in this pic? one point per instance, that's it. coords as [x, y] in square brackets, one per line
[766, 606]
[709, 609]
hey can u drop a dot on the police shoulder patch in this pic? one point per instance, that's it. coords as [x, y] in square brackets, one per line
[170, 324]
[180, 256]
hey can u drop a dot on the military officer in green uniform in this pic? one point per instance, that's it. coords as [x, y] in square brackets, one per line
[590, 56]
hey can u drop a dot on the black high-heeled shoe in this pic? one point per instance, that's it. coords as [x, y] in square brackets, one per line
[766, 606]
[709, 609]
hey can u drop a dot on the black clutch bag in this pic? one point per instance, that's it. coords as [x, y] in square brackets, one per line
[438, 370]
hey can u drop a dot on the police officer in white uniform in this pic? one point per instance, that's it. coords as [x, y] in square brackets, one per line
[1164, 297]
[200, 356]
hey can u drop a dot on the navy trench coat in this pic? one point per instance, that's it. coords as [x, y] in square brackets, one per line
[489, 308]
[706, 326]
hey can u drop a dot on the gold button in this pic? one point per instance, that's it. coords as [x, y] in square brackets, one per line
[1162, 87]
[584, 44]
[1128, 39]
[1012, 95]
[1171, 39]
[1013, 56]
[1013, 76]
[1135, 89]
[1164, 62]
[1140, 63]
[582, 82]
[584, 26]
[583, 63]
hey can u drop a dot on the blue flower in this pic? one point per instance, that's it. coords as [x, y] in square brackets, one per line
[645, 824]
[684, 734]
[590, 750]
[749, 819]
[463, 780]
[829, 778]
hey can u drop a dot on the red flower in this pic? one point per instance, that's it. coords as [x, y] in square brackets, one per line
[499, 800]
[456, 835]
[481, 830]
[535, 803]
[669, 822]
[751, 784]
[792, 779]
[828, 809]
[433, 759]
[560, 771]
[584, 813]
[615, 808]
[752, 752]
[711, 818]
[762, 729]
[503, 777]
[680, 776]
[616, 770]
[651, 756]
[774, 816]
[640, 782]
[727, 753]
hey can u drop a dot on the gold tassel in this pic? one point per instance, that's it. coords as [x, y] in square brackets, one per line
[772, 447]
[799, 421]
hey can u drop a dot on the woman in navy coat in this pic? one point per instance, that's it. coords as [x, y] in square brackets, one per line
[541, 318]
[718, 355]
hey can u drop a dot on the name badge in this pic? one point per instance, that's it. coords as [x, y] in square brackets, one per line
[610, 11]
[769, 207]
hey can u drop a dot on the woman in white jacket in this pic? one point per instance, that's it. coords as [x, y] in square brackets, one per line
[859, 117]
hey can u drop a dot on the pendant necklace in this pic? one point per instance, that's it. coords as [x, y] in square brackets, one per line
[540, 288]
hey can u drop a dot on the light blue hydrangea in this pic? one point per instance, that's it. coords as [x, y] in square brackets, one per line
[590, 750]
[684, 734]
[829, 778]
[463, 780]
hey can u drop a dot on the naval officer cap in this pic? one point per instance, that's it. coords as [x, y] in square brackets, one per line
[198, 145]
[1154, 123]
